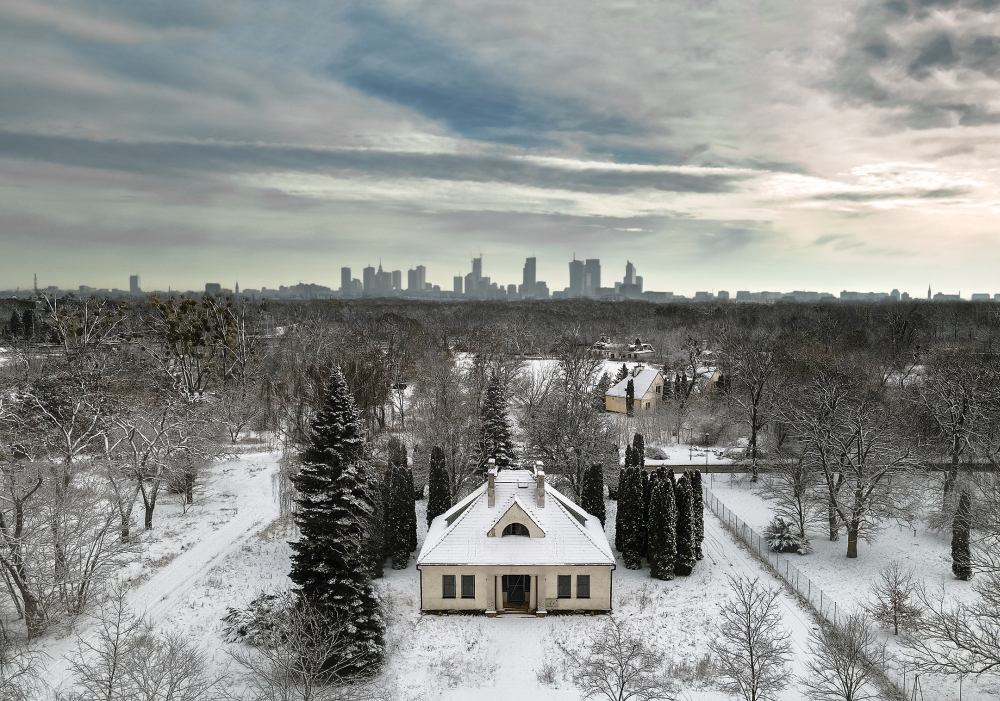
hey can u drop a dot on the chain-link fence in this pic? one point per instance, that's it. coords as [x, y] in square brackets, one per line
[907, 682]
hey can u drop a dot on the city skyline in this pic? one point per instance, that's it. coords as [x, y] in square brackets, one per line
[584, 281]
[834, 143]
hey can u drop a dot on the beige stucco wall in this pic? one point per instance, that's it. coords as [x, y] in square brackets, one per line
[490, 597]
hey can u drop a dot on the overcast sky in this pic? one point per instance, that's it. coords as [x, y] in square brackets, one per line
[718, 144]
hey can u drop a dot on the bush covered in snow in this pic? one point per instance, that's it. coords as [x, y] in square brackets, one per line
[257, 623]
[782, 537]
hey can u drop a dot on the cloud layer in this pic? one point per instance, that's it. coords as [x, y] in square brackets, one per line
[724, 144]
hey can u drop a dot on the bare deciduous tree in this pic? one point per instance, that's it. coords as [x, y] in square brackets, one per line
[20, 668]
[751, 649]
[617, 664]
[843, 667]
[127, 659]
[892, 600]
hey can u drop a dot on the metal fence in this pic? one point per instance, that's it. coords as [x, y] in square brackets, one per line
[907, 682]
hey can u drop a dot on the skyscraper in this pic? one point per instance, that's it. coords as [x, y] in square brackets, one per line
[457, 284]
[629, 273]
[368, 280]
[421, 277]
[133, 285]
[477, 268]
[576, 277]
[591, 276]
[397, 279]
[345, 281]
[528, 278]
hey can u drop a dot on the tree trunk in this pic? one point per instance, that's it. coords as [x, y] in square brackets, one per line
[834, 522]
[852, 538]
[147, 522]
[125, 530]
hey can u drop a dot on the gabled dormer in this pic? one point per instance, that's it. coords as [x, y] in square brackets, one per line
[515, 520]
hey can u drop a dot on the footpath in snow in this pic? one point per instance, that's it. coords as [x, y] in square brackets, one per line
[238, 501]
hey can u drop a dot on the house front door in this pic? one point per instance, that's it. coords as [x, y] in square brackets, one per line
[516, 591]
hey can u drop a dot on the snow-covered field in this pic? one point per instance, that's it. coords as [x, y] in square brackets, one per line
[230, 546]
[926, 552]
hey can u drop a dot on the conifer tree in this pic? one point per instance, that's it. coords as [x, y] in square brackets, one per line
[494, 429]
[601, 390]
[14, 328]
[592, 498]
[28, 323]
[684, 562]
[662, 529]
[961, 557]
[329, 563]
[639, 450]
[622, 373]
[698, 513]
[411, 509]
[648, 483]
[628, 521]
[397, 541]
[438, 497]
[629, 397]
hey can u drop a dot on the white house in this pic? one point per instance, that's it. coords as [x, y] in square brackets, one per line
[515, 544]
[647, 386]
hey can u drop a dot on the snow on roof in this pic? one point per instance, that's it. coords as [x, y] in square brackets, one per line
[640, 383]
[458, 536]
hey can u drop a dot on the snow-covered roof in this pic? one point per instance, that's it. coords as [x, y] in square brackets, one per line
[571, 535]
[641, 382]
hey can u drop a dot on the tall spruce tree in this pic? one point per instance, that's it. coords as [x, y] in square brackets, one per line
[648, 483]
[494, 429]
[438, 496]
[662, 529]
[684, 562]
[629, 397]
[411, 509]
[628, 520]
[961, 555]
[698, 513]
[592, 498]
[335, 506]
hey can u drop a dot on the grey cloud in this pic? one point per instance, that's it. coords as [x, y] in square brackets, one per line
[940, 193]
[178, 158]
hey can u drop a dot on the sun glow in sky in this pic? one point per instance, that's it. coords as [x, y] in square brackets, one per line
[728, 144]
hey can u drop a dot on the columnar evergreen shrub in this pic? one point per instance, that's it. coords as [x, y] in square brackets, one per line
[592, 497]
[685, 560]
[662, 525]
[628, 522]
[438, 495]
[698, 512]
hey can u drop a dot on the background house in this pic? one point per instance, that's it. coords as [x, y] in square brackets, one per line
[647, 383]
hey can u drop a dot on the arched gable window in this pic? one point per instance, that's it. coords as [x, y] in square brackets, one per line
[516, 529]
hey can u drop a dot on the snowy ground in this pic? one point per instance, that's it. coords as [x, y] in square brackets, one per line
[178, 582]
[926, 551]
[230, 547]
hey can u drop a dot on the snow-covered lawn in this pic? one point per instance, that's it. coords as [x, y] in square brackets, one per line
[231, 546]
[849, 582]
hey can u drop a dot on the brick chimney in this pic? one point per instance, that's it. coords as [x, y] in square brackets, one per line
[539, 485]
[491, 483]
